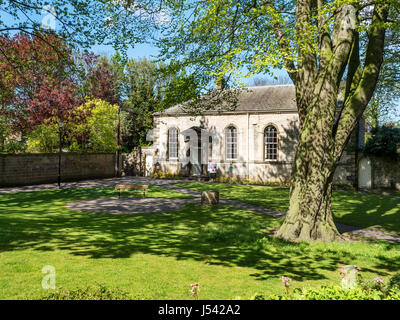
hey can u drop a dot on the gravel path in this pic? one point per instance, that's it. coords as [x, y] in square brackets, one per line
[129, 205]
[125, 206]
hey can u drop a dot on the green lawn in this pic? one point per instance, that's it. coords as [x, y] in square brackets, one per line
[157, 256]
[363, 210]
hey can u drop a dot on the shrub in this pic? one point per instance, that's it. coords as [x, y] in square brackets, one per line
[342, 186]
[98, 292]
[244, 181]
[44, 138]
[394, 281]
[365, 290]
[384, 141]
[98, 125]
[333, 293]
[11, 145]
[166, 175]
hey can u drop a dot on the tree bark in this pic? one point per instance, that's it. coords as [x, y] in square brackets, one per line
[324, 132]
[310, 215]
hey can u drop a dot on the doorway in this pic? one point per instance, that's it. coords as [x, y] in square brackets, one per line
[365, 174]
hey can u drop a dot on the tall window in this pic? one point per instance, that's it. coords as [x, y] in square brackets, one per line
[271, 143]
[173, 143]
[210, 148]
[231, 143]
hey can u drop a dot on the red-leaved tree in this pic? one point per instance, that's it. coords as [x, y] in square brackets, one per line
[36, 82]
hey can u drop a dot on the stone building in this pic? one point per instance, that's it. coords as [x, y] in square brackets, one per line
[256, 141]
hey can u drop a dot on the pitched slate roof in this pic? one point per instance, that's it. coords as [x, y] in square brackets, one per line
[276, 98]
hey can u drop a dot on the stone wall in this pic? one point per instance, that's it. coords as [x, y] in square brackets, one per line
[134, 163]
[385, 173]
[29, 169]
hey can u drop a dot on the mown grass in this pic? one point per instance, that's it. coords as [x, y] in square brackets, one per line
[356, 209]
[157, 256]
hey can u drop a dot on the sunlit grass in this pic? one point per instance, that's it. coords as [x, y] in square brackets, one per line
[356, 209]
[157, 256]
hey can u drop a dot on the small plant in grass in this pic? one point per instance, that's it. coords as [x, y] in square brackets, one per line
[337, 293]
[341, 186]
[392, 285]
[286, 283]
[98, 292]
[379, 283]
[364, 290]
[195, 290]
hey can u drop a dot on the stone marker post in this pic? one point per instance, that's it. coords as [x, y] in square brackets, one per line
[209, 198]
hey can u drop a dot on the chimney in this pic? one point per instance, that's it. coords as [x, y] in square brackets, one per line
[220, 83]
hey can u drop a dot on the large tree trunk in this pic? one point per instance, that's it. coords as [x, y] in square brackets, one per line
[310, 214]
[324, 132]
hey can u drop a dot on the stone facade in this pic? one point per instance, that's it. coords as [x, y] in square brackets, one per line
[134, 163]
[250, 162]
[30, 169]
[385, 173]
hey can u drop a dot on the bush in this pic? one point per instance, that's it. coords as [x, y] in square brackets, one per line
[166, 175]
[11, 141]
[244, 181]
[13, 146]
[334, 293]
[98, 292]
[394, 281]
[384, 141]
[44, 138]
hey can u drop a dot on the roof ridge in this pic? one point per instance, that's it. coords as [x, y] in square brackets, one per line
[270, 86]
[257, 98]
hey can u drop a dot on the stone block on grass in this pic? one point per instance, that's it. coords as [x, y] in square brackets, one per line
[209, 198]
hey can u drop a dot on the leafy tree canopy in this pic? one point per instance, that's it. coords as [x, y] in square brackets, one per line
[91, 127]
[149, 87]
[119, 23]
[384, 142]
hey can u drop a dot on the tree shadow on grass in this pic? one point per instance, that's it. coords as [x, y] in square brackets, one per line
[366, 210]
[221, 235]
[274, 198]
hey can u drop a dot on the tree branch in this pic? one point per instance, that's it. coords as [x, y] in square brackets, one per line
[358, 99]
[283, 43]
[325, 42]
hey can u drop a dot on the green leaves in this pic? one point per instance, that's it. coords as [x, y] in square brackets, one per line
[44, 138]
[384, 141]
[83, 23]
[99, 128]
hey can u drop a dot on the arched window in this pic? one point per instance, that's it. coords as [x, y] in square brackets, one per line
[271, 143]
[173, 143]
[231, 143]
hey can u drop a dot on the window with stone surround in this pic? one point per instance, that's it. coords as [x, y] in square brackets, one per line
[173, 144]
[270, 143]
[231, 143]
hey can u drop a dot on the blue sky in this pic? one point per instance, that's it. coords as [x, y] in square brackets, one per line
[139, 51]
[149, 52]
